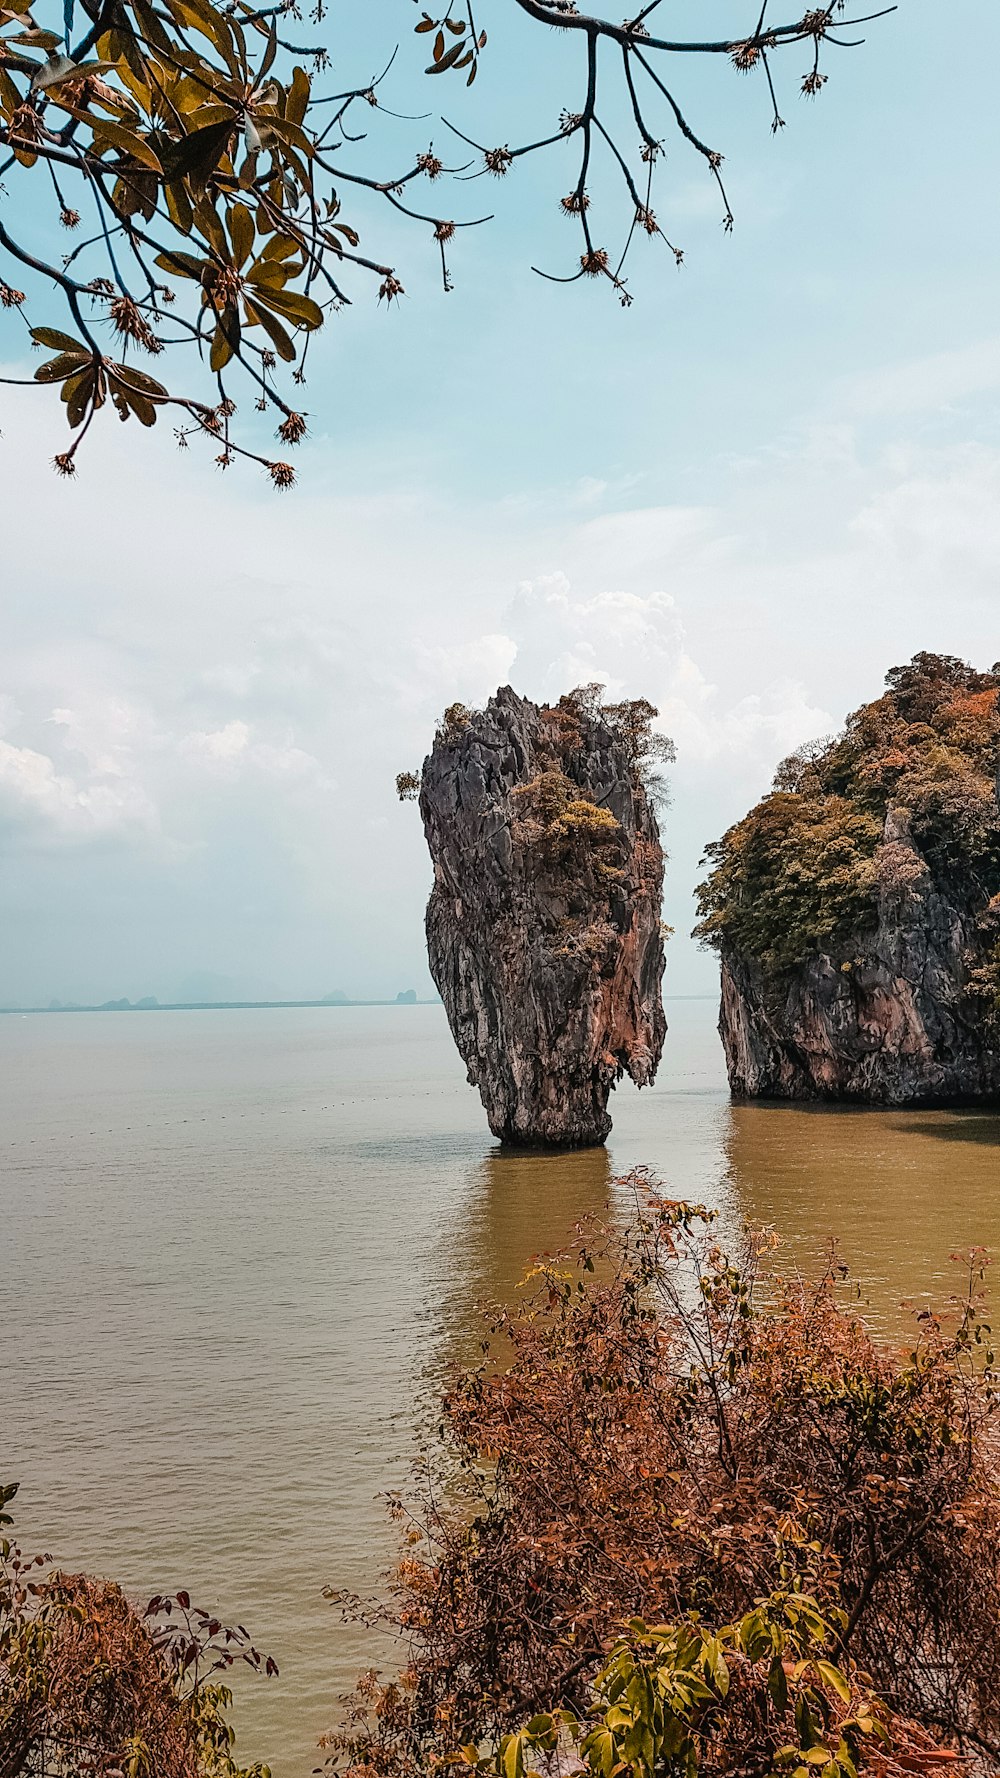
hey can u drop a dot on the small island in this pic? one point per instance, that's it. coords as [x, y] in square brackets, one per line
[543, 926]
[856, 909]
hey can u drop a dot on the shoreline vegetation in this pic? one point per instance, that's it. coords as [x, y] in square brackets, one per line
[686, 1515]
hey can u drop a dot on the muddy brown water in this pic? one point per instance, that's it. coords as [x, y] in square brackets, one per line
[239, 1249]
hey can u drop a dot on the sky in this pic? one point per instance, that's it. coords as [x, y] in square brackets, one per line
[774, 476]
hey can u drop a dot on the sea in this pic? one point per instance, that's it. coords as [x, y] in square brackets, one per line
[240, 1251]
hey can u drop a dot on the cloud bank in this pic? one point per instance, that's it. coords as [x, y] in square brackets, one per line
[199, 734]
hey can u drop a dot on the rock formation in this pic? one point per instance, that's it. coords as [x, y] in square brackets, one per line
[543, 925]
[856, 910]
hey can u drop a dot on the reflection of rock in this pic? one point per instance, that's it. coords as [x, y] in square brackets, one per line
[899, 1192]
[543, 926]
[530, 1203]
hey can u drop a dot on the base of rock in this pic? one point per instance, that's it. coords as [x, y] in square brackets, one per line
[554, 1141]
[872, 1034]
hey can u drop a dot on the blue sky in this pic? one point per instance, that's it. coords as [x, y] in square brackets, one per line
[746, 496]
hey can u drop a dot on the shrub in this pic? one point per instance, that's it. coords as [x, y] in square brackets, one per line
[89, 1683]
[796, 875]
[691, 1517]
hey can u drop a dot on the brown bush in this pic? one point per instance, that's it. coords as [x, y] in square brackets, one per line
[668, 1465]
[91, 1685]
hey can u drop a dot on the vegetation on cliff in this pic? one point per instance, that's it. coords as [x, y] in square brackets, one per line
[691, 1518]
[907, 795]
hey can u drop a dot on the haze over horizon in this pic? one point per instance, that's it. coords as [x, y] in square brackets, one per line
[743, 498]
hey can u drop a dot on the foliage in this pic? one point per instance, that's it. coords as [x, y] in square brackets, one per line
[451, 727]
[552, 797]
[89, 1683]
[562, 813]
[407, 786]
[665, 1692]
[191, 138]
[690, 1517]
[790, 877]
[586, 819]
[631, 722]
[454, 722]
[905, 797]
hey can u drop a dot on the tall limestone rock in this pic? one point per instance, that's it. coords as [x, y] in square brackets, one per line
[856, 909]
[543, 925]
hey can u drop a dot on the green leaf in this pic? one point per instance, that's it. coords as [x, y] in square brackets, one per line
[297, 103]
[113, 135]
[199, 153]
[143, 410]
[293, 306]
[131, 378]
[76, 393]
[274, 330]
[179, 206]
[225, 340]
[832, 1676]
[512, 1756]
[777, 1686]
[281, 247]
[60, 342]
[181, 265]
[287, 130]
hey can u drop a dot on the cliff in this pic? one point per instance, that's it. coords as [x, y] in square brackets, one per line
[856, 909]
[543, 925]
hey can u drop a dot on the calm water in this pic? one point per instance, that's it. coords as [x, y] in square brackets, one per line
[236, 1249]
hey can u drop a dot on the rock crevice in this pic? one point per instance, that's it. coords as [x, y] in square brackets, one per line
[543, 924]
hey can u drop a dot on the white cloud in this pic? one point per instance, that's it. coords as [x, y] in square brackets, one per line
[468, 671]
[241, 743]
[636, 645]
[217, 747]
[33, 793]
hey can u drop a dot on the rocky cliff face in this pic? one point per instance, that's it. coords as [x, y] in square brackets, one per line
[890, 1017]
[856, 910]
[543, 925]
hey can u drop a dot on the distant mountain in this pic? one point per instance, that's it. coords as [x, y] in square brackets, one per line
[407, 997]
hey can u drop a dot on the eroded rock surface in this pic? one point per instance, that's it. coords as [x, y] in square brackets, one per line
[543, 925]
[856, 910]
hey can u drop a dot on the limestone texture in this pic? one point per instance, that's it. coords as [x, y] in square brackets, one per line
[543, 925]
[884, 1018]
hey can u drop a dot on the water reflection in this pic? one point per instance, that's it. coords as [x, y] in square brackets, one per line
[515, 1205]
[899, 1191]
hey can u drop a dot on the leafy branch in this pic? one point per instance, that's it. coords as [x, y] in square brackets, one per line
[193, 133]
